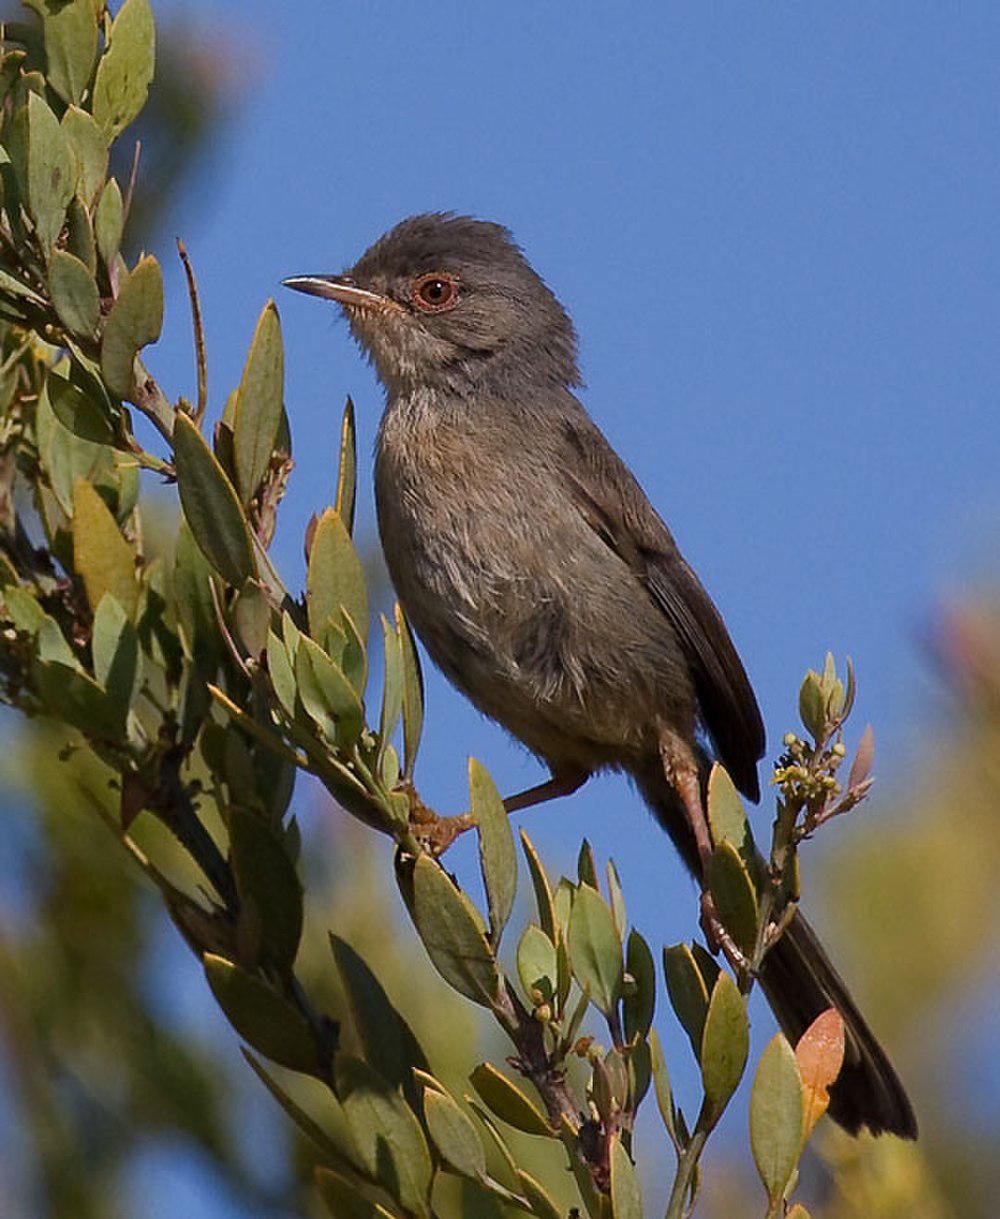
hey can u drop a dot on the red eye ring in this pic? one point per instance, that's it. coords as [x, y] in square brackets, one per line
[435, 292]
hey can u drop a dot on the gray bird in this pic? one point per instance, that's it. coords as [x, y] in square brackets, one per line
[544, 584]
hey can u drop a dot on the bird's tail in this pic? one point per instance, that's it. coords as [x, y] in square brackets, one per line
[800, 983]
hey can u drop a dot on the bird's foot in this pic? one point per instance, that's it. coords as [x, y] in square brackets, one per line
[434, 832]
[719, 938]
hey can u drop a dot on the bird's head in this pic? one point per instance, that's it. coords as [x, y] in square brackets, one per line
[444, 301]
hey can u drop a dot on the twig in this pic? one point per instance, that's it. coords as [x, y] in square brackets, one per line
[199, 335]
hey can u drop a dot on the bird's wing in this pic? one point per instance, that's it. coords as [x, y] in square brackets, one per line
[616, 508]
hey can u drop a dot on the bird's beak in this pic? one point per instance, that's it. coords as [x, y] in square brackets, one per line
[343, 290]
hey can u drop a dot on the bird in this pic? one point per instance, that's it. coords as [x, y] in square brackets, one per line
[544, 584]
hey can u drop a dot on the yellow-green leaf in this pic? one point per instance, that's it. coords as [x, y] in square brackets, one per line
[626, 1196]
[210, 506]
[734, 895]
[453, 1134]
[452, 932]
[776, 1112]
[126, 68]
[508, 1101]
[90, 148]
[262, 1016]
[336, 577]
[497, 856]
[70, 44]
[725, 1043]
[257, 412]
[74, 294]
[100, 554]
[135, 320]
[594, 948]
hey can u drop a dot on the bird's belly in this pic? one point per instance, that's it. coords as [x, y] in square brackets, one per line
[530, 617]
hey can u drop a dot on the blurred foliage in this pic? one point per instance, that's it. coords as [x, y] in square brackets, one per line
[175, 689]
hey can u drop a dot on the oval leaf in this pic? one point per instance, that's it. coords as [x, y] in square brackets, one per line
[820, 1055]
[497, 857]
[536, 964]
[126, 68]
[100, 554]
[453, 1134]
[387, 1134]
[688, 992]
[725, 1043]
[109, 220]
[74, 294]
[210, 506]
[270, 921]
[90, 148]
[135, 320]
[507, 1101]
[640, 994]
[594, 948]
[257, 411]
[626, 1197]
[336, 577]
[452, 933]
[776, 1113]
[70, 45]
[734, 896]
[261, 1016]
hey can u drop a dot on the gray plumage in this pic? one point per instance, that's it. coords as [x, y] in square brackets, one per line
[540, 578]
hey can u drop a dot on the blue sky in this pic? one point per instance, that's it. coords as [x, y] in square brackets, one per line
[776, 229]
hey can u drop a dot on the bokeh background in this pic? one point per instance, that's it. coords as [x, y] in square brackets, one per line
[776, 231]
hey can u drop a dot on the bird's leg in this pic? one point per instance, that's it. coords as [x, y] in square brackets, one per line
[681, 770]
[563, 784]
[438, 833]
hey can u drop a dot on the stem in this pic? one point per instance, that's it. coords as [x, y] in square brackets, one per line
[687, 1164]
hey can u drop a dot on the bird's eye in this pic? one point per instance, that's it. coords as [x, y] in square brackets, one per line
[435, 293]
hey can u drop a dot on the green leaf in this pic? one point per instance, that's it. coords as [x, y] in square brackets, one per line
[454, 1135]
[640, 995]
[688, 992]
[45, 167]
[126, 68]
[497, 857]
[392, 687]
[413, 692]
[280, 670]
[586, 870]
[109, 221]
[617, 899]
[71, 697]
[661, 1085]
[74, 294]
[270, 919]
[725, 1043]
[135, 320]
[726, 815]
[210, 505]
[79, 412]
[388, 1042]
[326, 693]
[88, 144]
[100, 554]
[812, 704]
[339, 1148]
[261, 1016]
[347, 471]
[80, 235]
[387, 1134]
[115, 649]
[345, 1198]
[252, 618]
[536, 964]
[452, 932]
[734, 896]
[542, 1203]
[626, 1196]
[595, 949]
[776, 1117]
[336, 577]
[70, 44]
[257, 412]
[540, 884]
[507, 1101]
